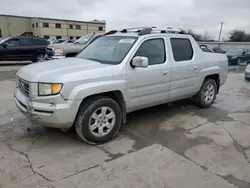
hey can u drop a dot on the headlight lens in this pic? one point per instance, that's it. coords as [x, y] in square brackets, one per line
[58, 52]
[49, 89]
[234, 57]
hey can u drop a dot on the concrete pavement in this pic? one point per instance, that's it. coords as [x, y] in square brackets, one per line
[173, 145]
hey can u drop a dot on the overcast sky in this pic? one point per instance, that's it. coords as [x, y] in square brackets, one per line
[199, 15]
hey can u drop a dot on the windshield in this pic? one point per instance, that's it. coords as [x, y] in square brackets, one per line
[108, 49]
[234, 51]
[84, 39]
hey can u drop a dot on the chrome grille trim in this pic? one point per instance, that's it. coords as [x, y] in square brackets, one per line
[24, 87]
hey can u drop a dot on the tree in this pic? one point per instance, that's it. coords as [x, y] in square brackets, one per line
[239, 36]
[197, 37]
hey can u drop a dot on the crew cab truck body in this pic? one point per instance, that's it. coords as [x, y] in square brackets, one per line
[118, 73]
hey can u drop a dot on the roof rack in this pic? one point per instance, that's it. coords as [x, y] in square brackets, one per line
[147, 30]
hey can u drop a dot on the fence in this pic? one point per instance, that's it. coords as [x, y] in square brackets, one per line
[226, 45]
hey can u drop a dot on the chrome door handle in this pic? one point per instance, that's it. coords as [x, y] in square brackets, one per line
[165, 73]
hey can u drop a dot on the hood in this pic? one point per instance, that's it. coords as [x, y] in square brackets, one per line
[64, 70]
[67, 46]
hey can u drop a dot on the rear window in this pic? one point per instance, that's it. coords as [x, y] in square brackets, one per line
[182, 49]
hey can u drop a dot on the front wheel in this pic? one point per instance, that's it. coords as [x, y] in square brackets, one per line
[98, 120]
[39, 58]
[207, 94]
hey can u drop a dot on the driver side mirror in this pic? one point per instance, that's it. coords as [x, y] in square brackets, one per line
[140, 61]
[4, 45]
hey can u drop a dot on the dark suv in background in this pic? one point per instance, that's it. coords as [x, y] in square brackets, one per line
[23, 49]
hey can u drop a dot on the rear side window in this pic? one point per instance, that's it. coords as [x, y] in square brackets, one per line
[154, 50]
[26, 42]
[182, 49]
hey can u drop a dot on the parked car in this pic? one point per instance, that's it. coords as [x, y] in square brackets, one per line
[237, 55]
[247, 72]
[56, 51]
[23, 49]
[218, 50]
[120, 72]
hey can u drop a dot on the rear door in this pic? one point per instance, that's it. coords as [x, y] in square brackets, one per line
[28, 48]
[10, 50]
[184, 69]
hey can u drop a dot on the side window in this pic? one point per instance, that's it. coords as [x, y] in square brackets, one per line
[182, 49]
[26, 42]
[12, 43]
[154, 50]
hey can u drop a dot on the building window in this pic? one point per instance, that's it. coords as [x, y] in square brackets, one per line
[33, 25]
[46, 36]
[58, 25]
[77, 37]
[1, 33]
[36, 24]
[46, 25]
[70, 26]
[100, 28]
[78, 26]
[71, 37]
[58, 37]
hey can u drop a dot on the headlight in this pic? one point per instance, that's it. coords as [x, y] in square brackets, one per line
[49, 89]
[234, 57]
[58, 52]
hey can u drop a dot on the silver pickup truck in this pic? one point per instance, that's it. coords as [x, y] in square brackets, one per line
[62, 50]
[118, 73]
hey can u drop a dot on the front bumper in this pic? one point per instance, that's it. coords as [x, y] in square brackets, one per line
[60, 115]
[47, 57]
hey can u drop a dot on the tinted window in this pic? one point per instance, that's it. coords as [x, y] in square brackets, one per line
[154, 50]
[45, 24]
[78, 26]
[58, 25]
[182, 49]
[41, 42]
[70, 26]
[27, 42]
[12, 43]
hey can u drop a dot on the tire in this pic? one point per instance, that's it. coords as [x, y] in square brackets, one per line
[85, 123]
[39, 58]
[201, 99]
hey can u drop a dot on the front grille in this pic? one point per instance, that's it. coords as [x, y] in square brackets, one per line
[49, 52]
[24, 87]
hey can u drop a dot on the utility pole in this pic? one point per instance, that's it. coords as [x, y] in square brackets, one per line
[221, 26]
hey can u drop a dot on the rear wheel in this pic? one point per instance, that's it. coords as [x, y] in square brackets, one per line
[39, 57]
[98, 120]
[207, 93]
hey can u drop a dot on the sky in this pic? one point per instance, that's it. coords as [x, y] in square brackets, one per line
[198, 15]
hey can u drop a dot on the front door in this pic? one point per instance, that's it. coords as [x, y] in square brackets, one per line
[149, 86]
